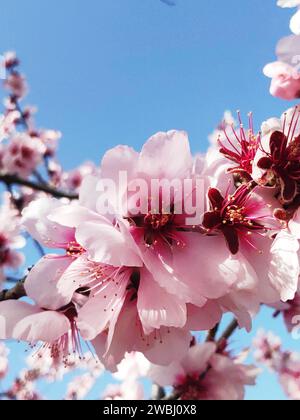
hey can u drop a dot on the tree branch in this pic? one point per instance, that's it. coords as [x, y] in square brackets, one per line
[212, 334]
[173, 397]
[15, 180]
[232, 327]
[15, 293]
[158, 392]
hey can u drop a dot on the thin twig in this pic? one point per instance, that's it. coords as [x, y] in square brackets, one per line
[173, 397]
[232, 327]
[15, 293]
[212, 334]
[15, 180]
[158, 392]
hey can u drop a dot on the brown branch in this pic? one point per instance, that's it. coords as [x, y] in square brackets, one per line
[232, 327]
[15, 293]
[212, 334]
[158, 392]
[173, 397]
[15, 180]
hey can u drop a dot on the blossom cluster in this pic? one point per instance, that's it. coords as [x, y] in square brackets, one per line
[42, 367]
[285, 72]
[149, 248]
[141, 282]
[285, 364]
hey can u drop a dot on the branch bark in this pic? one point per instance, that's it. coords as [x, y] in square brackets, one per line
[15, 180]
[212, 334]
[232, 327]
[15, 293]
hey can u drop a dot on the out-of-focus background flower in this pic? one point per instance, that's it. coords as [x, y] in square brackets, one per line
[114, 72]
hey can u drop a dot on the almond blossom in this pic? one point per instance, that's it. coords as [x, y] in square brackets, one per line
[22, 155]
[285, 364]
[4, 352]
[206, 375]
[277, 160]
[114, 287]
[295, 21]
[126, 391]
[141, 256]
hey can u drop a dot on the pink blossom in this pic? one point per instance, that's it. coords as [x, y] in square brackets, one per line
[71, 181]
[285, 364]
[111, 288]
[11, 60]
[8, 124]
[289, 375]
[239, 146]
[128, 391]
[80, 386]
[133, 366]
[227, 122]
[50, 139]
[285, 80]
[22, 155]
[285, 72]
[3, 361]
[16, 84]
[295, 21]
[276, 163]
[291, 312]
[205, 375]
[238, 216]
[25, 322]
[163, 238]
[11, 239]
[268, 348]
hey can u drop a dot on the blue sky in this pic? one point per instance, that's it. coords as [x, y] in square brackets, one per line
[108, 72]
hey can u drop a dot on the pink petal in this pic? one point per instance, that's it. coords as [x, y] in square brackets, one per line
[206, 266]
[46, 326]
[165, 346]
[165, 148]
[121, 158]
[96, 314]
[87, 194]
[107, 245]
[77, 275]
[74, 215]
[12, 312]
[205, 318]
[198, 358]
[277, 68]
[156, 307]
[166, 375]
[22, 321]
[161, 267]
[126, 330]
[36, 221]
[285, 270]
[42, 282]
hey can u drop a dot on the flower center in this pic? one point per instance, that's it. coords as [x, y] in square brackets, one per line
[157, 221]
[74, 250]
[240, 146]
[235, 215]
[191, 388]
